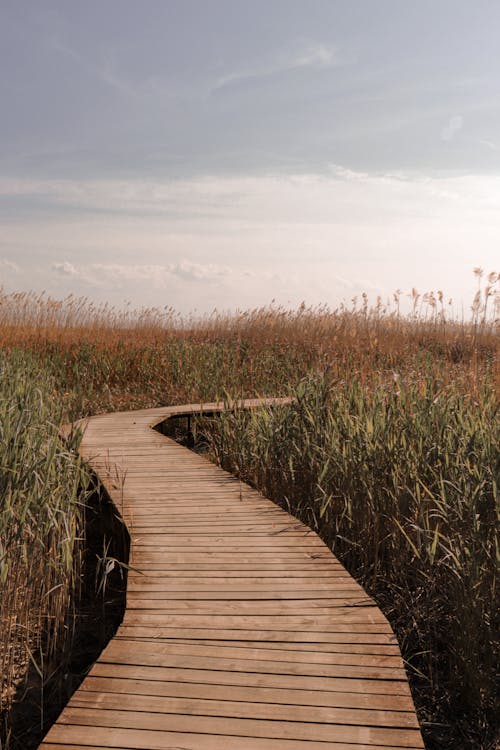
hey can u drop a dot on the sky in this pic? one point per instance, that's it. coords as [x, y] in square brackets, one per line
[225, 154]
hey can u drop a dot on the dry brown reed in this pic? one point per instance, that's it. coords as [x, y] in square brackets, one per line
[70, 358]
[40, 494]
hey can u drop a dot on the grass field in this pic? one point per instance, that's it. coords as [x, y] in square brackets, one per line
[390, 452]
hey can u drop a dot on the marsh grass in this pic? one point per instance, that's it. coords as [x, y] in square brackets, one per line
[63, 555]
[41, 480]
[103, 359]
[389, 453]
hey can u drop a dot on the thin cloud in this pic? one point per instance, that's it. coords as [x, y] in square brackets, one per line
[229, 240]
[488, 144]
[8, 265]
[65, 269]
[197, 272]
[179, 280]
[184, 270]
[455, 124]
[315, 55]
[229, 206]
[105, 71]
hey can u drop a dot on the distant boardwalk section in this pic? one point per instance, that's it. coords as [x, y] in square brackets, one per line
[242, 631]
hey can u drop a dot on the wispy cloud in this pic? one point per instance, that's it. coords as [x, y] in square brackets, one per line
[65, 269]
[8, 265]
[158, 275]
[186, 285]
[314, 55]
[231, 241]
[454, 125]
[339, 195]
[488, 144]
[103, 69]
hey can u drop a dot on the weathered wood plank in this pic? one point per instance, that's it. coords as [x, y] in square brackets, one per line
[227, 707]
[302, 698]
[254, 679]
[191, 722]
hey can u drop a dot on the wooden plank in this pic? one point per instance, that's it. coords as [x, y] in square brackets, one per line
[102, 738]
[190, 722]
[330, 586]
[123, 653]
[253, 679]
[199, 605]
[229, 651]
[270, 570]
[200, 592]
[267, 695]
[238, 709]
[238, 542]
[301, 646]
[342, 634]
[364, 618]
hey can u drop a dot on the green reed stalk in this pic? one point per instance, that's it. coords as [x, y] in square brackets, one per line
[40, 523]
[399, 476]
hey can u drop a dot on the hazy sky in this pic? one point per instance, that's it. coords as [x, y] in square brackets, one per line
[222, 153]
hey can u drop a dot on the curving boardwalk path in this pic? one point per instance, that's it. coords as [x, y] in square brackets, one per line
[242, 631]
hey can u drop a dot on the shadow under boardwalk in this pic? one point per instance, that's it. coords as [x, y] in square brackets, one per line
[242, 631]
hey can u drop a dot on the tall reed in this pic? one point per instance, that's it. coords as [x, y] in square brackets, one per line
[390, 453]
[40, 523]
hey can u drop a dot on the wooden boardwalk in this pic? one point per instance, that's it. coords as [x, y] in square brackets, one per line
[242, 631]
